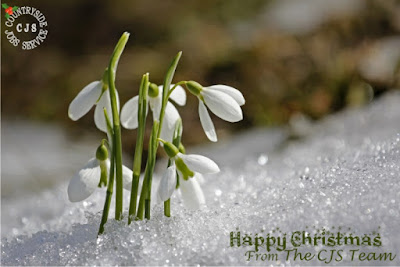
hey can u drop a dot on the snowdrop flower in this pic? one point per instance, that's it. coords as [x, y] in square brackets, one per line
[129, 112]
[224, 101]
[191, 192]
[189, 167]
[94, 174]
[167, 184]
[95, 93]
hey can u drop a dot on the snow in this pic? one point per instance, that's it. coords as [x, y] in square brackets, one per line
[35, 154]
[345, 173]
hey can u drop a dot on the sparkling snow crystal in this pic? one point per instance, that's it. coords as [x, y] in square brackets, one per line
[345, 174]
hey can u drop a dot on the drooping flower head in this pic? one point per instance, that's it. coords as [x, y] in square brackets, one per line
[94, 174]
[95, 93]
[188, 167]
[224, 101]
[129, 112]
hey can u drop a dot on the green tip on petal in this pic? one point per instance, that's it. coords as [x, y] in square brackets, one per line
[103, 174]
[183, 168]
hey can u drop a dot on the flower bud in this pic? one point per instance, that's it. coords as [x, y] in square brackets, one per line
[102, 152]
[170, 149]
[194, 87]
[153, 90]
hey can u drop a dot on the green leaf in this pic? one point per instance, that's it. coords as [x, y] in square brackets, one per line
[15, 8]
[170, 75]
[7, 16]
[167, 84]
[142, 114]
[4, 6]
[119, 48]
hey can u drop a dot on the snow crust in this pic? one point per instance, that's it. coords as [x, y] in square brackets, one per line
[346, 173]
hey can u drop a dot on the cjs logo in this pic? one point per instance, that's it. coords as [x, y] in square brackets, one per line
[28, 27]
[29, 31]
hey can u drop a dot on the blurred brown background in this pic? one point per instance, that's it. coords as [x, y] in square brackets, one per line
[310, 57]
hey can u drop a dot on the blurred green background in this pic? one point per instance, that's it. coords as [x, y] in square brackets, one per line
[310, 57]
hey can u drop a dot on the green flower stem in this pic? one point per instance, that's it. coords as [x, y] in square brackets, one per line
[137, 161]
[110, 180]
[176, 141]
[146, 189]
[145, 196]
[176, 85]
[154, 146]
[116, 124]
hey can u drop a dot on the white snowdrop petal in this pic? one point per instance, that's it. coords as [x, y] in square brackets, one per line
[99, 119]
[127, 177]
[155, 105]
[129, 113]
[199, 177]
[170, 118]
[104, 102]
[233, 92]
[85, 181]
[179, 173]
[161, 89]
[206, 123]
[167, 184]
[222, 105]
[108, 166]
[192, 194]
[178, 95]
[85, 100]
[171, 115]
[199, 163]
[166, 134]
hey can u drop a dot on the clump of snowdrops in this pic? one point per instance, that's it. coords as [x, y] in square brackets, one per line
[183, 171]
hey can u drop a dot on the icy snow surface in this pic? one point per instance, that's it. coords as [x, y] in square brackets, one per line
[345, 174]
